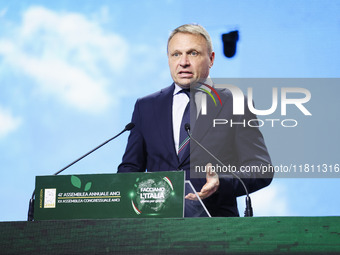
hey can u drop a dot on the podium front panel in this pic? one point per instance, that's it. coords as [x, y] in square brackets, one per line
[100, 196]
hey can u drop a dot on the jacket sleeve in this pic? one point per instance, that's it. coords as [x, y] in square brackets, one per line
[253, 156]
[134, 158]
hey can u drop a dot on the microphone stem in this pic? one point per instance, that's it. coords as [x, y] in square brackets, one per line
[31, 203]
[61, 170]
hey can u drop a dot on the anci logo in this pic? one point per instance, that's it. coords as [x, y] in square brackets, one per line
[239, 105]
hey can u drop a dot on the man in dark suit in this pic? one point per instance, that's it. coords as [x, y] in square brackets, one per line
[156, 143]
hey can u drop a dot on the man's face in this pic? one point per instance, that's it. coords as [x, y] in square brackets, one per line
[189, 59]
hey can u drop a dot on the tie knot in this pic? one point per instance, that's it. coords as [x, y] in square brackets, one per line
[186, 91]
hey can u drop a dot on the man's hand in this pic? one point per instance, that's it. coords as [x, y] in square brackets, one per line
[209, 188]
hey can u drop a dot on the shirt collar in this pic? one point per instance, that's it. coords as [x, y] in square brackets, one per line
[177, 89]
[206, 81]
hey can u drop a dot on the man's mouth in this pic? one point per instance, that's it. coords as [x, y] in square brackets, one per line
[185, 74]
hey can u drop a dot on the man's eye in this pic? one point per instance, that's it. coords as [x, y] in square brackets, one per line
[194, 53]
[176, 54]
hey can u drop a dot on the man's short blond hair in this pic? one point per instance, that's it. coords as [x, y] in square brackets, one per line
[193, 29]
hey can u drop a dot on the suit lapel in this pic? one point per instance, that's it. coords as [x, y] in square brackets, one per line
[205, 122]
[163, 118]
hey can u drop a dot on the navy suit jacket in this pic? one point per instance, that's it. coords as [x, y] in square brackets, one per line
[151, 147]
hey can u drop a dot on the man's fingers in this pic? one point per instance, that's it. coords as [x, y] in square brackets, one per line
[201, 194]
[204, 193]
[207, 193]
[207, 187]
[208, 167]
[191, 196]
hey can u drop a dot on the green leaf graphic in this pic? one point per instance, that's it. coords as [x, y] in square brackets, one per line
[88, 186]
[76, 182]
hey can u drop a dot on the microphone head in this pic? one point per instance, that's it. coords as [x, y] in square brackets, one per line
[129, 126]
[187, 127]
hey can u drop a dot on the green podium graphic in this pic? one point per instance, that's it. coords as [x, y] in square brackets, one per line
[100, 196]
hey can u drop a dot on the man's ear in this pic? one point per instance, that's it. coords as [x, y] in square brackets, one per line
[212, 58]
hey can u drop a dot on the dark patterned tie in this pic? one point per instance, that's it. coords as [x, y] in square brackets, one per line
[184, 139]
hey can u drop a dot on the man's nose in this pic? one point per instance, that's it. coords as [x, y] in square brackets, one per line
[184, 61]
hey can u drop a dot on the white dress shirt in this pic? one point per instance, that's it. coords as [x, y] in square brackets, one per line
[179, 103]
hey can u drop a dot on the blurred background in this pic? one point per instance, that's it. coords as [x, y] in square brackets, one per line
[71, 71]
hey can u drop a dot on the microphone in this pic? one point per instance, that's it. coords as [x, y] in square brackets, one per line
[249, 210]
[128, 127]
